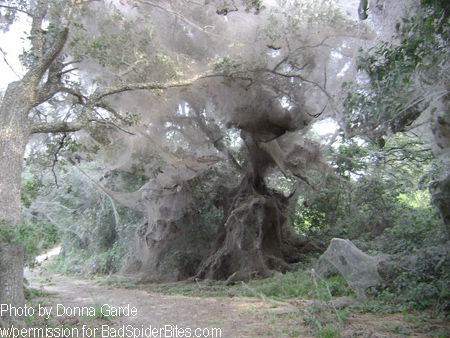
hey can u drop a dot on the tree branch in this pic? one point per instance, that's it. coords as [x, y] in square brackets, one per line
[81, 98]
[14, 8]
[217, 140]
[58, 127]
[55, 159]
[37, 33]
[301, 78]
[180, 16]
[44, 59]
[7, 63]
[100, 94]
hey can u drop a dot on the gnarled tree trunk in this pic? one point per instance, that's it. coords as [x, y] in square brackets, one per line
[255, 238]
[254, 242]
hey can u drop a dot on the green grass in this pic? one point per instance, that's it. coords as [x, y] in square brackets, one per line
[297, 284]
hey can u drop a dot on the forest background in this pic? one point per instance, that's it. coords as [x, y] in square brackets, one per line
[177, 140]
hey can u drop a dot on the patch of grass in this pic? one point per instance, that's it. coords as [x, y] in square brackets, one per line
[441, 334]
[31, 293]
[121, 282]
[330, 330]
[298, 284]
[98, 312]
[197, 289]
[397, 329]
[322, 319]
[283, 326]
[249, 309]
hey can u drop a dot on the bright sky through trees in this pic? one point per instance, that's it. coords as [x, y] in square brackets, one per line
[11, 51]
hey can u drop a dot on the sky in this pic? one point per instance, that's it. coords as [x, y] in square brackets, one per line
[11, 44]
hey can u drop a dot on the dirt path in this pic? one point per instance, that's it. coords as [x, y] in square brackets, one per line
[179, 316]
[208, 317]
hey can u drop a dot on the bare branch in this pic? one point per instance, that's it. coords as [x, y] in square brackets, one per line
[58, 127]
[205, 29]
[55, 159]
[54, 51]
[70, 63]
[81, 98]
[44, 59]
[130, 68]
[7, 63]
[217, 140]
[14, 8]
[109, 123]
[111, 110]
[298, 76]
[66, 71]
[100, 94]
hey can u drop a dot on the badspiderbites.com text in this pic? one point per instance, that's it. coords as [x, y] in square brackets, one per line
[165, 331]
[106, 331]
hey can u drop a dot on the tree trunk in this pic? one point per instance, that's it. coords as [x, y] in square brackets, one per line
[11, 279]
[255, 240]
[13, 139]
[255, 237]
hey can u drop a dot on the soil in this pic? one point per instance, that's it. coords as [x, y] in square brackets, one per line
[181, 316]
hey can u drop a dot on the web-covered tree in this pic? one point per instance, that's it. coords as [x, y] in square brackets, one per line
[275, 73]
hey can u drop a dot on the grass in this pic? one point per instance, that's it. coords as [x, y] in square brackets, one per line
[292, 285]
[98, 309]
[299, 284]
[31, 293]
[196, 289]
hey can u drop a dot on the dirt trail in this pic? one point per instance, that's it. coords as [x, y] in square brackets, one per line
[234, 316]
[180, 316]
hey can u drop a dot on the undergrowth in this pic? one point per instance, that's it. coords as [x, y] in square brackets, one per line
[79, 262]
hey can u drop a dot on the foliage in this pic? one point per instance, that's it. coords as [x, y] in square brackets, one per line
[35, 238]
[92, 229]
[308, 220]
[416, 276]
[82, 263]
[385, 208]
[406, 77]
[348, 156]
[363, 198]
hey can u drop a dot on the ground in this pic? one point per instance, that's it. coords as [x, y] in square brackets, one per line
[236, 317]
